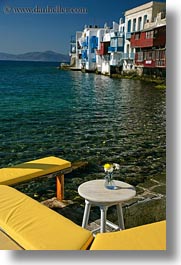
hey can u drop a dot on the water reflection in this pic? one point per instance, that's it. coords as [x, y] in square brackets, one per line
[84, 117]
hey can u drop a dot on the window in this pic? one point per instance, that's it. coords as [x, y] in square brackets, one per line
[155, 33]
[137, 36]
[145, 19]
[122, 29]
[134, 24]
[153, 55]
[140, 56]
[149, 55]
[113, 43]
[120, 42]
[139, 23]
[129, 26]
[117, 42]
[127, 48]
[149, 34]
[160, 54]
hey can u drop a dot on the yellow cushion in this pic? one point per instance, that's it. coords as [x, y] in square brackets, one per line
[36, 227]
[32, 169]
[146, 237]
[6, 243]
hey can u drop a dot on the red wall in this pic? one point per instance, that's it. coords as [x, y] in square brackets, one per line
[152, 62]
[142, 42]
[104, 48]
[159, 39]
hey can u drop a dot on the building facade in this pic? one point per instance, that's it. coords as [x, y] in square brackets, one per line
[136, 20]
[116, 48]
[150, 47]
[75, 51]
[138, 44]
[89, 43]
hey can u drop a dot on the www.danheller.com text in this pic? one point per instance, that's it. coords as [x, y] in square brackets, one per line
[44, 10]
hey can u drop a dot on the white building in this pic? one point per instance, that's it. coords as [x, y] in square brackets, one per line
[116, 48]
[110, 53]
[75, 51]
[108, 50]
[89, 43]
[102, 57]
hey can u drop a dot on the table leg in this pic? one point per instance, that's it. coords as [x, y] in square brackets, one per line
[86, 214]
[60, 187]
[103, 210]
[120, 216]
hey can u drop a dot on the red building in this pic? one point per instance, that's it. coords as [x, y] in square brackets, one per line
[150, 49]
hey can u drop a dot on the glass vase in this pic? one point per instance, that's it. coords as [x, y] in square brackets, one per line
[110, 184]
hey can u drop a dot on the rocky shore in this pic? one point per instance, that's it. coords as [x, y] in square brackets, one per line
[159, 82]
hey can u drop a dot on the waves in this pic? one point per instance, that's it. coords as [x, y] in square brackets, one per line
[77, 116]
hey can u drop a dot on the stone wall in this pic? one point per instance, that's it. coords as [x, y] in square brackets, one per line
[148, 206]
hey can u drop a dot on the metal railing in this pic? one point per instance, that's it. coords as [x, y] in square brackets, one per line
[130, 56]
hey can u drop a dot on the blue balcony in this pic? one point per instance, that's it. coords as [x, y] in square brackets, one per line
[94, 42]
[84, 54]
[120, 49]
[115, 49]
[84, 44]
[111, 49]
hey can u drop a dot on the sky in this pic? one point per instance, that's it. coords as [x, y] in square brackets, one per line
[22, 32]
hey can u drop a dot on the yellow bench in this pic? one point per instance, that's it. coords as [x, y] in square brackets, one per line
[37, 168]
[27, 224]
[6, 243]
[33, 226]
[145, 237]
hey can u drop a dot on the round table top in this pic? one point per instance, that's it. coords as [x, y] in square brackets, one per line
[96, 192]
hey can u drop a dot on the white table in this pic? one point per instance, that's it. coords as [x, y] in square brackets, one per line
[95, 193]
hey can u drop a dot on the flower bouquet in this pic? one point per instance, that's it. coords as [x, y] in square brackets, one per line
[109, 181]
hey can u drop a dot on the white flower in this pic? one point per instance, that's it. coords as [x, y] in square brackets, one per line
[110, 167]
[116, 166]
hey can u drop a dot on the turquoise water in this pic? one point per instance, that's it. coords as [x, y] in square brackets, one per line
[80, 117]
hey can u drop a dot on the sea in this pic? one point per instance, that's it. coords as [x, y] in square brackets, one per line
[81, 117]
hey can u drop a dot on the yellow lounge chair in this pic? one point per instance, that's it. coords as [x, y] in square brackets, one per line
[32, 169]
[145, 237]
[37, 168]
[33, 226]
[27, 224]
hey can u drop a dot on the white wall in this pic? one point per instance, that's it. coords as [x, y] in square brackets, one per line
[105, 67]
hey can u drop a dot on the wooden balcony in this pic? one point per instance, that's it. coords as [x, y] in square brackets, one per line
[104, 48]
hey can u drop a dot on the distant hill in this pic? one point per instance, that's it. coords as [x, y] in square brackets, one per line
[47, 56]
